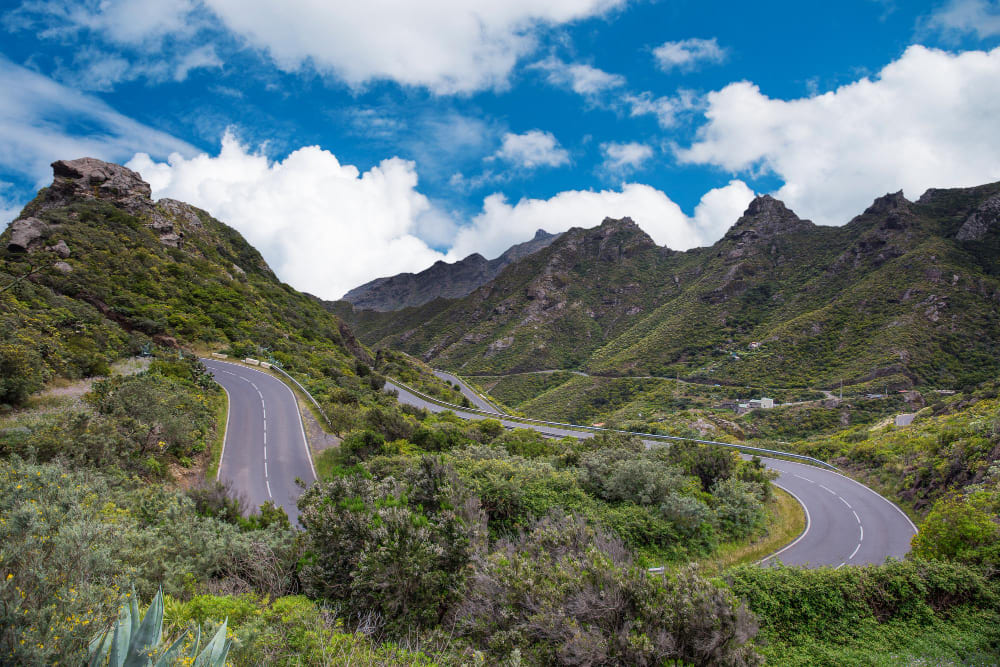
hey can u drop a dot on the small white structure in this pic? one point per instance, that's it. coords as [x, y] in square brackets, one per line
[763, 403]
[754, 345]
[905, 419]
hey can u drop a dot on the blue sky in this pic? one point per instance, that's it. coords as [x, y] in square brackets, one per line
[349, 142]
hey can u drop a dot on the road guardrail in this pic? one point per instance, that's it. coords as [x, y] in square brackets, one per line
[598, 429]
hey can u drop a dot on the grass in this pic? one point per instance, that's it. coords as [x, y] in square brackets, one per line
[218, 436]
[786, 522]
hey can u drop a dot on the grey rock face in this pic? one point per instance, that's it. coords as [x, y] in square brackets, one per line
[26, 234]
[98, 178]
[62, 267]
[984, 218]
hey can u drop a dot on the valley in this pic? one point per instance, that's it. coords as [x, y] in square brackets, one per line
[457, 515]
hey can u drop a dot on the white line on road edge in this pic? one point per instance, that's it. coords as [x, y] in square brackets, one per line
[225, 436]
[305, 441]
[797, 539]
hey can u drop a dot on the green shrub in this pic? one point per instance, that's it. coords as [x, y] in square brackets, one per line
[396, 550]
[567, 593]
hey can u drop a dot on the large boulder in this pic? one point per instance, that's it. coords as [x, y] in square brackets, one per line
[26, 234]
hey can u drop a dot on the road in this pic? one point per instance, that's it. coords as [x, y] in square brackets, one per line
[265, 449]
[846, 522]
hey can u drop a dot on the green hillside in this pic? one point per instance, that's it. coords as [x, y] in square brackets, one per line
[900, 291]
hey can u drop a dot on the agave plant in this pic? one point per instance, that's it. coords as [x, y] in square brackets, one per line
[134, 643]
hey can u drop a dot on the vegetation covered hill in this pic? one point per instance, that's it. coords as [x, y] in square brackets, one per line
[906, 289]
[428, 540]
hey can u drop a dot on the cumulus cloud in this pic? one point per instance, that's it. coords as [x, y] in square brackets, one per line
[966, 17]
[501, 224]
[449, 46]
[532, 149]
[323, 226]
[688, 54]
[929, 119]
[621, 157]
[37, 115]
[582, 79]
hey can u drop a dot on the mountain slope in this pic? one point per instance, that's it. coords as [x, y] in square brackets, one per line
[112, 271]
[907, 291]
[448, 281]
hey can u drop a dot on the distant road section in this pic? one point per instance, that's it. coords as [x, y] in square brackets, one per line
[265, 449]
[474, 397]
[846, 522]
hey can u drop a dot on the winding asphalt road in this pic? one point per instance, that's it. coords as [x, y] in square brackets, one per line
[846, 522]
[265, 449]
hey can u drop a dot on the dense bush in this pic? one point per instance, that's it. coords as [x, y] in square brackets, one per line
[74, 539]
[566, 593]
[395, 550]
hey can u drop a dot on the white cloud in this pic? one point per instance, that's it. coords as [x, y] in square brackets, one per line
[501, 224]
[929, 119]
[122, 22]
[688, 54]
[449, 46]
[200, 58]
[666, 109]
[324, 227]
[623, 157]
[534, 148]
[37, 117]
[580, 78]
[963, 17]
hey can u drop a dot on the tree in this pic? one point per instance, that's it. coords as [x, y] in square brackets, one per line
[958, 528]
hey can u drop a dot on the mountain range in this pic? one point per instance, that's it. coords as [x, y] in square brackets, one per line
[906, 293]
[442, 280]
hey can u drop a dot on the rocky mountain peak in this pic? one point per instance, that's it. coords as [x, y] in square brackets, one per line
[765, 217]
[894, 209]
[891, 201]
[541, 235]
[90, 177]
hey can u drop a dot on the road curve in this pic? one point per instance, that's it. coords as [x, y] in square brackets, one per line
[265, 448]
[846, 522]
[474, 397]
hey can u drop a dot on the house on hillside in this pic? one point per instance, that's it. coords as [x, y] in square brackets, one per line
[763, 403]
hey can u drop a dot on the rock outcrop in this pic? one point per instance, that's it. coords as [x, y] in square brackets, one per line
[90, 178]
[985, 218]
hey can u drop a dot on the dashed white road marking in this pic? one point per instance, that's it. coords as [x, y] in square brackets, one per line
[827, 489]
[841, 565]
[862, 538]
[844, 501]
[268, 484]
[855, 552]
[805, 478]
[856, 516]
